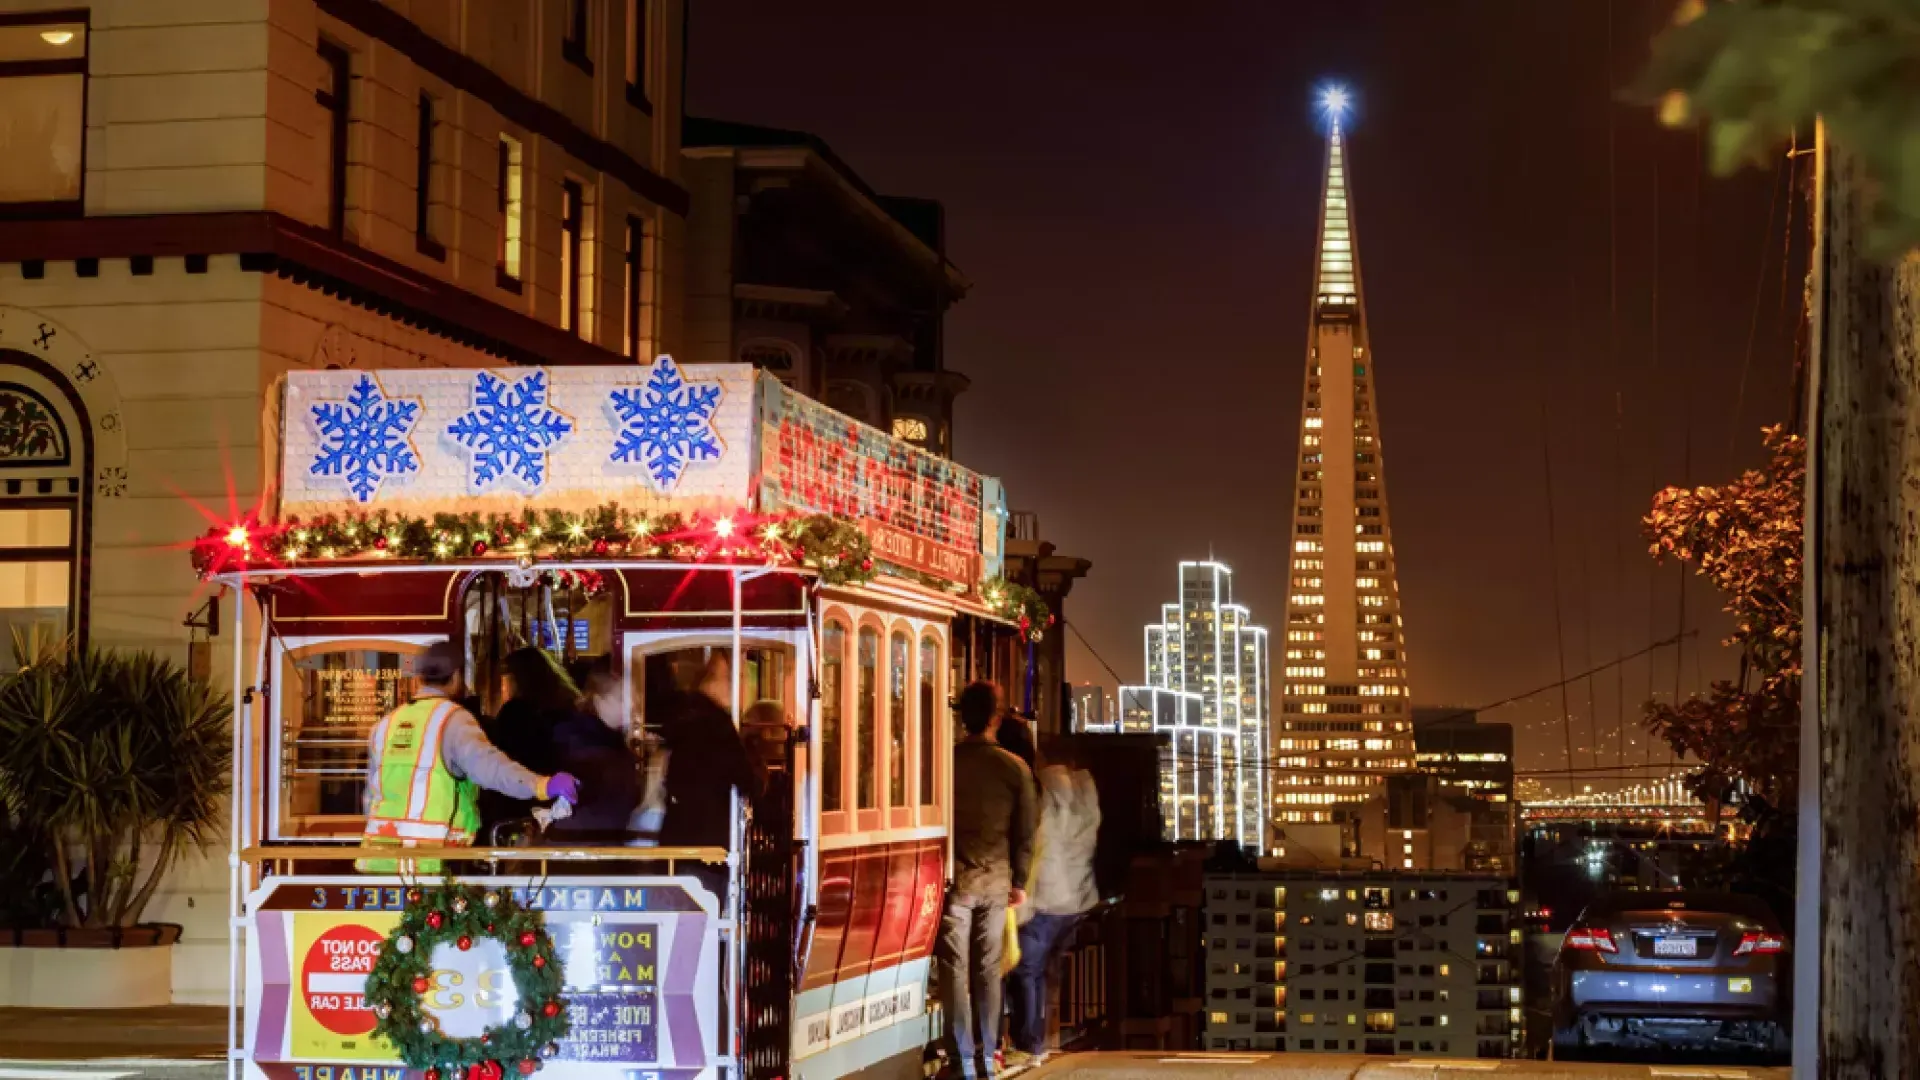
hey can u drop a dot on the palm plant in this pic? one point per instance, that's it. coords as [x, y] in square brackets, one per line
[115, 763]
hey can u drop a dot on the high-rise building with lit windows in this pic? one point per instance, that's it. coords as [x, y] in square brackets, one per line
[1344, 721]
[1207, 690]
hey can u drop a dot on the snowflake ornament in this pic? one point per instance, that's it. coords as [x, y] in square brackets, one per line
[666, 424]
[366, 439]
[509, 431]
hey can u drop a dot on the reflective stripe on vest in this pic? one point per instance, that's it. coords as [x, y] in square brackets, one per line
[420, 800]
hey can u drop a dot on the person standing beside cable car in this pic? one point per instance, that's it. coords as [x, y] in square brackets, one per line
[428, 761]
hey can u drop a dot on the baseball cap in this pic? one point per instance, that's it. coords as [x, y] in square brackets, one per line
[439, 663]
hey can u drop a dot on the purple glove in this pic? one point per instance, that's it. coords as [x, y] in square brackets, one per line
[563, 786]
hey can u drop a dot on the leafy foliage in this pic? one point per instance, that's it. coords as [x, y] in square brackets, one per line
[107, 755]
[1745, 538]
[1758, 71]
[403, 972]
[1020, 605]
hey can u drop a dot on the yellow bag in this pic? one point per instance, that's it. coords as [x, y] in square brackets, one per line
[1010, 945]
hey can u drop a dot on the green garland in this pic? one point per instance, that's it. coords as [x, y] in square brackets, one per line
[837, 550]
[1018, 604]
[461, 915]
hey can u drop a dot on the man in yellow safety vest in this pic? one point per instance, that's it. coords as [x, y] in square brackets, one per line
[429, 760]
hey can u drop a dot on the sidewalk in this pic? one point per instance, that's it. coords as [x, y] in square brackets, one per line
[175, 1032]
[1261, 1065]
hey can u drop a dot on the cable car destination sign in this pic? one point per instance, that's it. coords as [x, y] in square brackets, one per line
[920, 511]
[709, 438]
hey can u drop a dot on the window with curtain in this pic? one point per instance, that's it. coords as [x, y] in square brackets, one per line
[833, 661]
[39, 532]
[930, 747]
[43, 93]
[867, 708]
[900, 670]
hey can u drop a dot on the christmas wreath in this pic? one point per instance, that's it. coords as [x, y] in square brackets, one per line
[1020, 605]
[402, 976]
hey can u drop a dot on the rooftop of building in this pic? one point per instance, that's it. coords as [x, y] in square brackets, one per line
[922, 219]
[1383, 877]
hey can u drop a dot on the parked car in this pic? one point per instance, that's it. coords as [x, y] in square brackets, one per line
[1699, 970]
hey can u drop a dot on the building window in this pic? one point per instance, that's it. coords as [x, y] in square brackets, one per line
[39, 533]
[512, 187]
[572, 223]
[335, 96]
[43, 95]
[833, 665]
[423, 186]
[900, 669]
[638, 11]
[911, 429]
[930, 748]
[866, 708]
[639, 322]
[573, 46]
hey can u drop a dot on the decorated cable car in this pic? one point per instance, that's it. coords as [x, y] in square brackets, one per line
[657, 523]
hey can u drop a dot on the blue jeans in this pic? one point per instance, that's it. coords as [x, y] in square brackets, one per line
[971, 933]
[1040, 941]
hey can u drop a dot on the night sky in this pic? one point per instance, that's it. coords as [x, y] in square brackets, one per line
[1133, 196]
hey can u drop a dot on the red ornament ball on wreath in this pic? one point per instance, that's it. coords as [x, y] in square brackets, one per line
[551, 1008]
[380, 543]
[527, 939]
[528, 1066]
[539, 961]
[435, 920]
[422, 984]
[464, 943]
[600, 547]
[479, 547]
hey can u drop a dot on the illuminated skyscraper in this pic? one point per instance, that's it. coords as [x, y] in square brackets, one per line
[1345, 720]
[1207, 691]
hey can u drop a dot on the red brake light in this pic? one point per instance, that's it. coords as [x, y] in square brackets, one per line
[1759, 943]
[1591, 939]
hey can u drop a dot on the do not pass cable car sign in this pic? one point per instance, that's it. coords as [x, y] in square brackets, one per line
[333, 978]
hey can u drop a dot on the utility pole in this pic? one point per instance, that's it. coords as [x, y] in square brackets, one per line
[1862, 634]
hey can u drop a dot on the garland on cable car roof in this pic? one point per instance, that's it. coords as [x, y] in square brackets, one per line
[834, 548]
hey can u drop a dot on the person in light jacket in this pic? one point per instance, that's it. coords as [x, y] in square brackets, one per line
[1063, 890]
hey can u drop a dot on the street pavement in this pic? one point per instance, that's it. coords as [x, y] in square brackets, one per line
[112, 1069]
[1255, 1065]
[176, 1043]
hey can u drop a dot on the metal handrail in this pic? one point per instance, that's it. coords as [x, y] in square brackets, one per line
[340, 853]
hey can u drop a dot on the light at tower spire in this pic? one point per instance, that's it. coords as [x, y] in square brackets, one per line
[1335, 281]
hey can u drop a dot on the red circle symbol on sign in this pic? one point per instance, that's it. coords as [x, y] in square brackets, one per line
[333, 978]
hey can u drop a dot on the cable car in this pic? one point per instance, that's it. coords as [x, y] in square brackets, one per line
[648, 519]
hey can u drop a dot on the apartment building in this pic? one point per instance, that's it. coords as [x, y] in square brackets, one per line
[196, 197]
[1419, 965]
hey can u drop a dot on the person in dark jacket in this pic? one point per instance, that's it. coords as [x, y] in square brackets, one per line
[706, 761]
[593, 741]
[539, 696]
[1015, 736]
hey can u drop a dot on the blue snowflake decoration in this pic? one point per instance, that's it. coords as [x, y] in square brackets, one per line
[366, 438]
[509, 431]
[666, 424]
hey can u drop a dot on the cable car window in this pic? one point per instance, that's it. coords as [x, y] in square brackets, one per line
[930, 747]
[866, 769]
[331, 699]
[900, 668]
[833, 662]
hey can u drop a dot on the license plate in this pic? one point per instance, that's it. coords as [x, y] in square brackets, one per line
[1740, 986]
[1673, 946]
